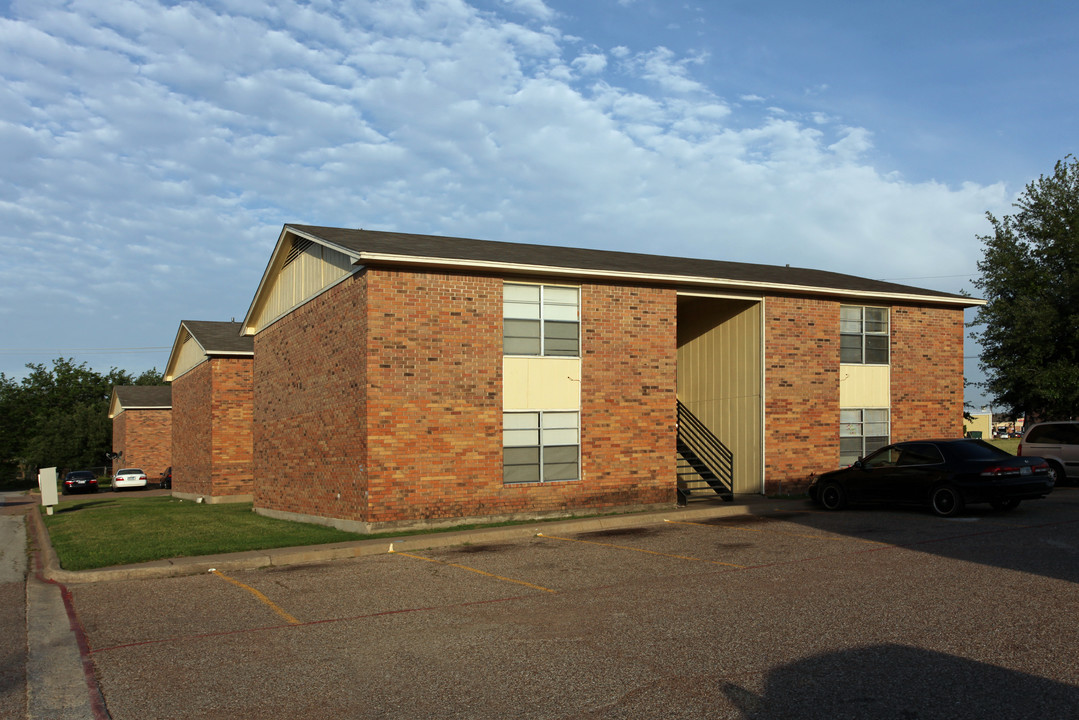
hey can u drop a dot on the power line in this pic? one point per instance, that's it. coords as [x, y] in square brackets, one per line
[83, 351]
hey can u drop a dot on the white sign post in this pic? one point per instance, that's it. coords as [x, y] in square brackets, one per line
[46, 480]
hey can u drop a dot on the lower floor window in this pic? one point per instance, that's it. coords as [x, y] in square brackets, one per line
[540, 446]
[861, 431]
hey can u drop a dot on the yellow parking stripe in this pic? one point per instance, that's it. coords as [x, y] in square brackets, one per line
[776, 532]
[649, 552]
[273, 606]
[470, 569]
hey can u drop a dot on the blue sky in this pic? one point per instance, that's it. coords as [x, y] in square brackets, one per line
[150, 150]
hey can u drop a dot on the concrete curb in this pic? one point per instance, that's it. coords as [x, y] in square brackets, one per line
[312, 554]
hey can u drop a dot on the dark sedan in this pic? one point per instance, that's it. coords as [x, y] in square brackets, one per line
[946, 475]
[80, 481]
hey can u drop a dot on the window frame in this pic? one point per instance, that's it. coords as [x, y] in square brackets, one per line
[865, 337]
[546, 316]
[517, 437]
[876, 440]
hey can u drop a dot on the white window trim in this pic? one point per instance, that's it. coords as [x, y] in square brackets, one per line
[541, 446]
[543, 317]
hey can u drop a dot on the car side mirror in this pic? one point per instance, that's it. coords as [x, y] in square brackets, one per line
[858, 463]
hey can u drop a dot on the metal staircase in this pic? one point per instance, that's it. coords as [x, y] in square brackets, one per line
[705, 464]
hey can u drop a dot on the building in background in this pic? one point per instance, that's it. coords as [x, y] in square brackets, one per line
[142, 428]
[210, 371]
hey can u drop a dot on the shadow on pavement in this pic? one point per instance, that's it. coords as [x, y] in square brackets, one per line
[1013, 540]
[888, 682]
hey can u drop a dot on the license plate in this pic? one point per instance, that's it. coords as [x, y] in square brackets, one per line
[1025, 470]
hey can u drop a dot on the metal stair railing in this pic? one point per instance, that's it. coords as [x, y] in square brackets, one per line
[705, 462]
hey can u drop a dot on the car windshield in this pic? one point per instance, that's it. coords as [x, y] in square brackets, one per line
[80, 475]
[976, 450]
[129, 471]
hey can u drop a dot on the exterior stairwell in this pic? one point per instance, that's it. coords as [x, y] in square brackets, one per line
[705, 464]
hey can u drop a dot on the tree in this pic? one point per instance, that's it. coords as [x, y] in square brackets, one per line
[1030, 281]
[58, 416]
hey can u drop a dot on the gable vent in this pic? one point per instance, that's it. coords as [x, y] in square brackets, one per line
[299, 245]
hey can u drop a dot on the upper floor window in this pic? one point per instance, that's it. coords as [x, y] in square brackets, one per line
[541, 320]
[863, 335]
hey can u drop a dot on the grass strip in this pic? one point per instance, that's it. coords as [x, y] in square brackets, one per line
[94, 532]
[99, 532]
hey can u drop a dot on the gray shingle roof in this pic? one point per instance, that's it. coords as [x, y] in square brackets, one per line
[467, 250]
[143, 396]
[220, 338]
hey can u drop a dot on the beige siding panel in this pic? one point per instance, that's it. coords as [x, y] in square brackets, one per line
[719, 377]
[864, 386]
[541, 383]
[311, 272]
[190, 355]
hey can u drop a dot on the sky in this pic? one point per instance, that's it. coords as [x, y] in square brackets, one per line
[151, 150]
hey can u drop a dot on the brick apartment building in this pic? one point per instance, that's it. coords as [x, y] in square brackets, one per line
[210, 370]
[409, 379]
[142, 428]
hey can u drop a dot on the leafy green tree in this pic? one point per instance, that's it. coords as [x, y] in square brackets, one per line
[1030, 280]
[58, 416]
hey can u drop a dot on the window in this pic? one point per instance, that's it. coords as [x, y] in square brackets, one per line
[540, 320]
[861, 432]
[863, 335]
[540, 446]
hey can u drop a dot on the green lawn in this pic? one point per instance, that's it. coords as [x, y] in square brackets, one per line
[91, 531]
[1008, 445]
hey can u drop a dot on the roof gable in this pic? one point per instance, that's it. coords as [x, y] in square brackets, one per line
[139, 397]
[198, 340]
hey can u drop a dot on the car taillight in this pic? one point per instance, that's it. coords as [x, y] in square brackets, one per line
[999, 470]
[1019, 450]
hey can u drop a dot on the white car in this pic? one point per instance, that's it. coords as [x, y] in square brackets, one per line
[128, 478]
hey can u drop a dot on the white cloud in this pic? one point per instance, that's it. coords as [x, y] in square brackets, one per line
[590, 63]
[164, 146]
[535, 8]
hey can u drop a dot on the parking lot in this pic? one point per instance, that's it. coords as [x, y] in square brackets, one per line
[787, 612]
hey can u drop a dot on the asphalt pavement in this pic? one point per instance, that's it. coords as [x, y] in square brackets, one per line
[765, 609]
[59, 679]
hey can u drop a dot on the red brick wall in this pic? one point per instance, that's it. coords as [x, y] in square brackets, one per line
[801, 391]
[192, 431]
[233, 402]
[212, 429]
[433, 402]
[628, 395]
[145, 439]
[927, 373]
[434, 369]
[309, 407]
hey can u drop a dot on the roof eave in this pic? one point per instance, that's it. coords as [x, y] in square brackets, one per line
[697, 281]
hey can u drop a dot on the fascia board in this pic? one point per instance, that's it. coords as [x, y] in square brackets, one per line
[698, 281]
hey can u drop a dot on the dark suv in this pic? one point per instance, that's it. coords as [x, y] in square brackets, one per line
[1057, 442]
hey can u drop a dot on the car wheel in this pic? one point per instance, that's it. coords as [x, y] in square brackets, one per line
[832, 496]
[1004, 505]
[1056, 473]
[946, 501]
